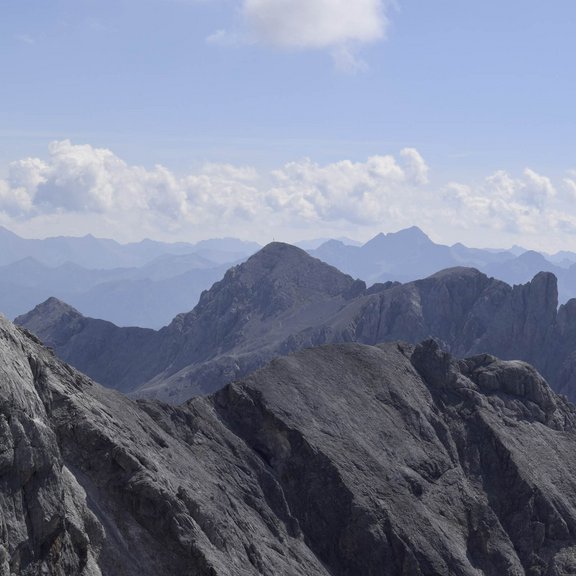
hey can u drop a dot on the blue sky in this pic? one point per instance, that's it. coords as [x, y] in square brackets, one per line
[183, 119]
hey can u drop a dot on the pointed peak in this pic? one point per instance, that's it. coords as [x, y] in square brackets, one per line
[53, 321]
[412, 233]
[408, 236]
[276, 277]
[49, 309]
[377, 239]
[332, 244]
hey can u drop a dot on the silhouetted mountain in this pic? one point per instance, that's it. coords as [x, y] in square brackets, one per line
[100, 253]
[317, 242]
[163, 279]
[149, 296]
[563, 258]
[281, 300]
[342, 460]
[402, 256]
[527, 265]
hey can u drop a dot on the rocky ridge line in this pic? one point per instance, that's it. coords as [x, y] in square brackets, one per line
[340, 460]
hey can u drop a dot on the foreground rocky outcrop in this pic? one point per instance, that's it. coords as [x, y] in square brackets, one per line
[341, 460]
[282, 300]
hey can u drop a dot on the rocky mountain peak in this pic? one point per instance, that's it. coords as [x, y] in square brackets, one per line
[275, 279]
[55, 306]
[279, 262]
[53, 321]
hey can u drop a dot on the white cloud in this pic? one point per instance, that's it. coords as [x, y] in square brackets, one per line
[570, 186]
[315, 23]
[84, 180]
[538, 189]
[416, 167]
[339, 26]
[357, 192]
[14, 201]
[522, 205]
[80, 189]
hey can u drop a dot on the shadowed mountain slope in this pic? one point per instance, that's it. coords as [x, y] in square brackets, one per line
[337, 461]
[282, 300]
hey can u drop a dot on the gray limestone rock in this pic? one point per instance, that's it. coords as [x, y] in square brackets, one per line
[336, 461]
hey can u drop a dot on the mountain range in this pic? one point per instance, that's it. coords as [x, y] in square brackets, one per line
[282, 300]
[103, 254]
[147, 283]
[410, 254]
[140, 284]
[336, 461]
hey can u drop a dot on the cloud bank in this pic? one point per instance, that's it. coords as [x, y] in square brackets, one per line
[80, 188]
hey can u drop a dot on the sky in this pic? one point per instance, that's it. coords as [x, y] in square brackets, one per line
[289, 119]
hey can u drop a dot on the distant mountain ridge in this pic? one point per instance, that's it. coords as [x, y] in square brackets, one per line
[102, 253]
[282, 300]
[140, 284]
[410, 254]
[147, 283]
[148, 296]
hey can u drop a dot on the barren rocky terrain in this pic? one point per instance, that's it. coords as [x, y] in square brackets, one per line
[341, 460]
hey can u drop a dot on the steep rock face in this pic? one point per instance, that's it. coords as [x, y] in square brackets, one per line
[336, 461]
[46, 525]
[91, 483]
[402, 462]
[469, 312]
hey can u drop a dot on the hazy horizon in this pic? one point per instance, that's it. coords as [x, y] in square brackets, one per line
[181, 120]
